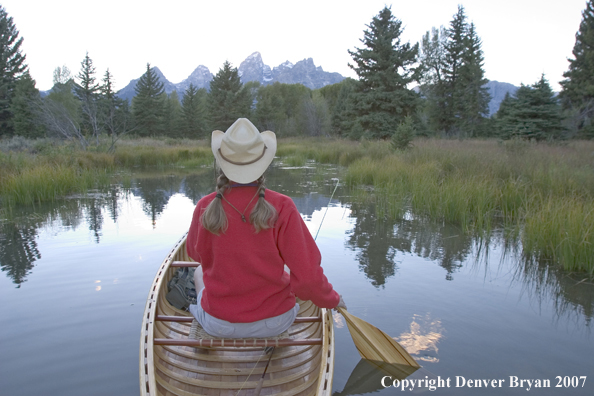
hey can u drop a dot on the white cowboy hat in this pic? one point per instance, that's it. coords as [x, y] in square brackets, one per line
[242, 152]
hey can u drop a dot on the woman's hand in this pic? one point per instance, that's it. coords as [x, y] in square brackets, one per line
[341, 303]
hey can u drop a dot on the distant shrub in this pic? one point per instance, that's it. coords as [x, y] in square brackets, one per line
[404, 134]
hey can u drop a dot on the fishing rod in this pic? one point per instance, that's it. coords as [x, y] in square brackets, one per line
[327, 207]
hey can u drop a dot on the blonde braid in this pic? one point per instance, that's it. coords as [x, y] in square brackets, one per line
[263, 215]
[214, 218]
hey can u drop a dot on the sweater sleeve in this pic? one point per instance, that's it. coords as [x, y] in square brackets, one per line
[301, 254]
[194, 233]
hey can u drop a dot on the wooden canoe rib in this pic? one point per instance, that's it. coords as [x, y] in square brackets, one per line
[171, 363]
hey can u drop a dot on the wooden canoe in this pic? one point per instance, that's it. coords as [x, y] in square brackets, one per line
[171, 363]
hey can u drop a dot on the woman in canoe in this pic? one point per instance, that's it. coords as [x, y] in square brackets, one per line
[243, 235]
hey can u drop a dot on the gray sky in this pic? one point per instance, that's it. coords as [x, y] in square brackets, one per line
[521, 38]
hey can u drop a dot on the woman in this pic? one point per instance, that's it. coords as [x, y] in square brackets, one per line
[243, 235]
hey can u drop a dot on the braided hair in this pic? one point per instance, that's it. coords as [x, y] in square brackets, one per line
[214, 218]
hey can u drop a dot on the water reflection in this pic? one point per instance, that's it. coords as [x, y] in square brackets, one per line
[422, 339]
[367, 377]
[377, 242]
[572, 295]
[18, 250]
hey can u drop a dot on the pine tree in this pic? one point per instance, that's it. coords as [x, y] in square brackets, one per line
[148, 104]
[172, 115]
[474, 98]
[452, 60]
[25, 101]
[87, 87]
[193, 114]
[12, 66]
[382, 98]
[578, 87]
[115, 112]
[433, 80]
[87, 91]
[534, 113]
[227, 100]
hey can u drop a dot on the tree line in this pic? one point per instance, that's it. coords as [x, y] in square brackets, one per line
[432, 88]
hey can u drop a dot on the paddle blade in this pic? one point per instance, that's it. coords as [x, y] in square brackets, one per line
[374, 344]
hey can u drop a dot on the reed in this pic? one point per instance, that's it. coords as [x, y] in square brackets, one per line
[33, 172]
[543, 193]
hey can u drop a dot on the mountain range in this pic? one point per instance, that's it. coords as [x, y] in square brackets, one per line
[303, 72]
[251, 69]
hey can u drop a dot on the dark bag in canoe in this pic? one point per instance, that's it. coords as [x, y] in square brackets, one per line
[182, 291]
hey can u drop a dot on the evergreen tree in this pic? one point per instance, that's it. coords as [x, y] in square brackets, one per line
[454, 57]
[25, 101]
[578, 87]
[12, 66]
[115, 112]
[338, 97]
[382, 98]
[87, 91]
[227, 100]
[148, 104]
[534, 113]
[452, 61]
[193, 113]
[474, 98]
[87, 87]
[433, 80]
[172, 115]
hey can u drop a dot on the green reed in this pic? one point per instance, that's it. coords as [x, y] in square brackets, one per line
[44, 172]
[544, 192]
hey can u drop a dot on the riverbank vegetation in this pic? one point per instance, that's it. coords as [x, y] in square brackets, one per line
[540, 194]
[34, 171]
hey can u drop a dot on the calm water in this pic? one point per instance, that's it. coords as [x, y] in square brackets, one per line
[75, 277]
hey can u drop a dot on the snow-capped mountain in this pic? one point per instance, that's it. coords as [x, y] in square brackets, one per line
[251, 69]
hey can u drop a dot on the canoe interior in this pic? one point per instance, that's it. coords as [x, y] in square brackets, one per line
[185, 371]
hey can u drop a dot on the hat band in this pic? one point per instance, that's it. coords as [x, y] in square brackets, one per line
[243, 163]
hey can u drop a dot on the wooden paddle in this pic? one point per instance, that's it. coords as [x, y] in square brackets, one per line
[373, 344]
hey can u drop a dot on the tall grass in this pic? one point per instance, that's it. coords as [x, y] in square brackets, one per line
[544, 192]
[38, 171]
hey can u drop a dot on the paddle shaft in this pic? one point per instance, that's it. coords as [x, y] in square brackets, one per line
[261, 382]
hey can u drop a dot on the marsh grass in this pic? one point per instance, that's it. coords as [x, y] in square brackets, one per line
[544, 193]
[34, 171]
[540, 194]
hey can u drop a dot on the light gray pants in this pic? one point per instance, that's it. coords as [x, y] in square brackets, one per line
[262, 328]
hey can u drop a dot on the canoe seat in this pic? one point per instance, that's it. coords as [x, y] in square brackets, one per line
[199, 334]
[198, 337]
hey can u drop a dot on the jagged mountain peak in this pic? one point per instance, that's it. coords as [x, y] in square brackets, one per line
[252, 68]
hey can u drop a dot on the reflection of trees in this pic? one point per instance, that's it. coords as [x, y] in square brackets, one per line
[437, 241]
[95, 217]
[374, 242]
[377, 241]
[196, 186]
[309, 187]
[155, 192]
[112, 199]
[18, 250]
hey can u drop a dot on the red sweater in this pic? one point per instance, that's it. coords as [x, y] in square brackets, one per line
[243, 270]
